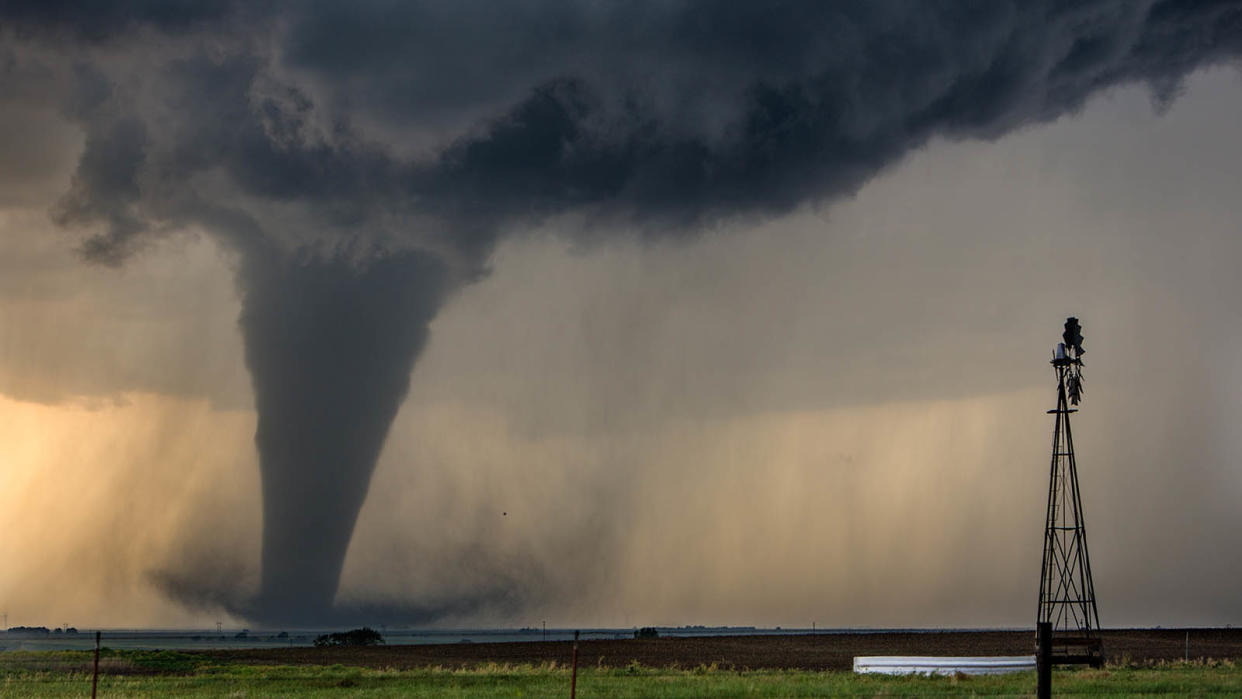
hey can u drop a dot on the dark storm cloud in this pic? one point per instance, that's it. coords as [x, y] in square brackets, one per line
[97, 21]
[363, 159]
[105, 188]
[583, 107]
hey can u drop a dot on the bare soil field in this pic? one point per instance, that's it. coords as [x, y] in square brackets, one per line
[807, 652]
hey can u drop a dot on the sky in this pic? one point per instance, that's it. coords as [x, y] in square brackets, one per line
[446, 315]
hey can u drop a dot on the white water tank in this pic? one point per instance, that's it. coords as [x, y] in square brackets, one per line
[941, 665]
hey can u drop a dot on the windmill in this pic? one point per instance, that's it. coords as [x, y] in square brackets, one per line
[1068, 621]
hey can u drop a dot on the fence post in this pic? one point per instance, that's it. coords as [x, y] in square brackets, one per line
[95, 674]
[573, 677]
[1043, 659]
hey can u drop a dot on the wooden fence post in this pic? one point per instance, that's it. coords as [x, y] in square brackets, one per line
[95, 674]
[1043, 659]
[573, 677]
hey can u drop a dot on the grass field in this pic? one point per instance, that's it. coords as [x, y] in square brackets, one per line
[151, 674]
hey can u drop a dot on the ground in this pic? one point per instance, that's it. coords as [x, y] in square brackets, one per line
[806, 652]
[1141, 663]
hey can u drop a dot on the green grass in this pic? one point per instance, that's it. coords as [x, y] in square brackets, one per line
[52, 674]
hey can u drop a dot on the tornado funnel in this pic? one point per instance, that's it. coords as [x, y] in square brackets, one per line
[330, 343]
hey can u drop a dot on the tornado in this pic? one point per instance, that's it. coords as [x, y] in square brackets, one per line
[330, 343]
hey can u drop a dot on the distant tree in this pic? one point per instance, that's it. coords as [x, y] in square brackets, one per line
[365, 636]
[647, 632]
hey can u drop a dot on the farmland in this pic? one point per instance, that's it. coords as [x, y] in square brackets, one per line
[802, 652]
[1176, 679]
[1141, 662]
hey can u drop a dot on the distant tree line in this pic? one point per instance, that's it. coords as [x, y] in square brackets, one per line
[365, 636]
[39, 630]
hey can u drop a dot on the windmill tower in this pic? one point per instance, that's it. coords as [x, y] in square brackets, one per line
[1068, 622]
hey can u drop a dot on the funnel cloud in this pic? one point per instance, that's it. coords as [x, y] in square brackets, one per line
[362, 161]
[330, 346]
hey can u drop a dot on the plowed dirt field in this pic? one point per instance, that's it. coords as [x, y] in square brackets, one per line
[808, 652]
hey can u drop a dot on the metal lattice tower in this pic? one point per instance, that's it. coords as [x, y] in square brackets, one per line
[1066, 589]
